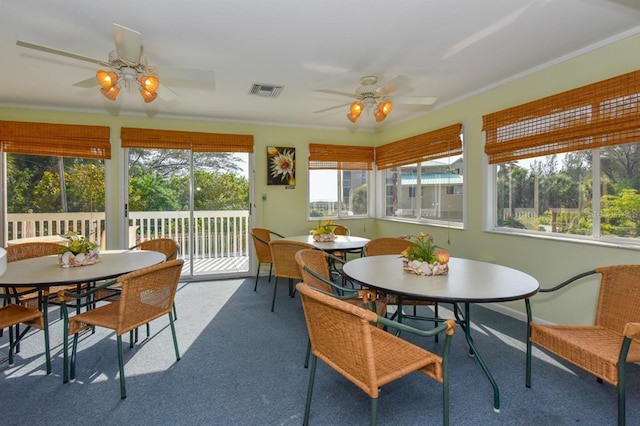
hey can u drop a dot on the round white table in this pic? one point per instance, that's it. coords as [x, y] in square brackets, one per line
[468, 281]
[341, 243]
[45, 271]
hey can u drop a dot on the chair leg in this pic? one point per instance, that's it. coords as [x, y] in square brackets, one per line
[306, 360]
[12, 343]
[74, 350]
[255, 286]
[622, 381]
[45, 330]
[312, 376]
[123, 391]
[275, 287]
[374, 411]
[175, 339]
[175, 313]
[527, 380]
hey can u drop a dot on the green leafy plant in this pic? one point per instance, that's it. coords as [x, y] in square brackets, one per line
[324, 228]
[77, 244]
[423, 249]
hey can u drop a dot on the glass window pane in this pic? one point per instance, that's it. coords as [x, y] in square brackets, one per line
[547, 194]
[354, 193]
[619, 214]
[400, 191]
[48, 196]
[441, 190]
[323, 193]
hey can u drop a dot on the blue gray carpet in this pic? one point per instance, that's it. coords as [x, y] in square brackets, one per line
[243, 365]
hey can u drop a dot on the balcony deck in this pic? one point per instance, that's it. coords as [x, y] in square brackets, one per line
[215, 266]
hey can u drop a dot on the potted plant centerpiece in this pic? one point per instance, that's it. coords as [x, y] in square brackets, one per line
[78, 251]
[423, 257]
[324, 231]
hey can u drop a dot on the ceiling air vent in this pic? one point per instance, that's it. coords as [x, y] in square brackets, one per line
[266, 90]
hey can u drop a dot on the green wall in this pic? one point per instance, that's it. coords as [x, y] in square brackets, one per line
[549, 260]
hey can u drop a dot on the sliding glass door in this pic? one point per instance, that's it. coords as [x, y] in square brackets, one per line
[200, 199]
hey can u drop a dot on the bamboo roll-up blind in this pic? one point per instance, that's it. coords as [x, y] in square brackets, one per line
[340, 157]
[597, 115]
[194, 141]
[438, 143]
[65, 140]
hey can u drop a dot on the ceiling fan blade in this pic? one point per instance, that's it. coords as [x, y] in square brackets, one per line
[339, 93]
[333, 107]
[86, 84]
[128, 43]
[413, 100]
[180, 76]
[166, 94]
[59, 52]
[395, 84]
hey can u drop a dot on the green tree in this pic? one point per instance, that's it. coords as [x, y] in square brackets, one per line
[360, 200]
[621, 214]
[151, 192]
[224, 191]
[85, 187]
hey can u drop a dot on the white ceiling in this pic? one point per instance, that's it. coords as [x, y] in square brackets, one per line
[448, 48]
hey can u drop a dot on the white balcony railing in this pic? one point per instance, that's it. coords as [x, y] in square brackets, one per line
[217, 234]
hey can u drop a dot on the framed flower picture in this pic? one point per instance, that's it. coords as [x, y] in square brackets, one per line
[281, 166]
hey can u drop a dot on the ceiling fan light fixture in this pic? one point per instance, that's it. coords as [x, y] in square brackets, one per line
[147, 95]
[385, 107]
[353, 117]
[379, 115]
[110, 92]
[106, 79]
[149, 82]
[357, 108]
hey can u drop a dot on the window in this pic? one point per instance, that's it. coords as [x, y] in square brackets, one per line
[569, 164]
[430, 191]
[55, 179]
[338, 181]
[422, 179]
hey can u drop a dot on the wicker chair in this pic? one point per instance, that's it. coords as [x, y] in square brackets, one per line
[15, 252]
[396, 245]
[283, 255]
[166, 246]
[314, 267]
[343, 230]
[605, 348]
[11, 315]
[147, 294]
[345, 337]
[261, 238]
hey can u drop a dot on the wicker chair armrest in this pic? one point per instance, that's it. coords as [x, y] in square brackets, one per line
[340, 290]
[632, 330]
[568, 281]
[448, 326]
[66, 295]
[12, 292]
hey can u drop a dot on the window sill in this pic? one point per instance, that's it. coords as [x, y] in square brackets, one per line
[575, 239]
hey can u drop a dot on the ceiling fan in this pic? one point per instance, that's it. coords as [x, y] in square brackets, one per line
[128, 67]
[377, 98]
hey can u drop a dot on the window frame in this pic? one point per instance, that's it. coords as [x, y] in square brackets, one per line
[382, 206]
[340, 189]
[588, 118]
